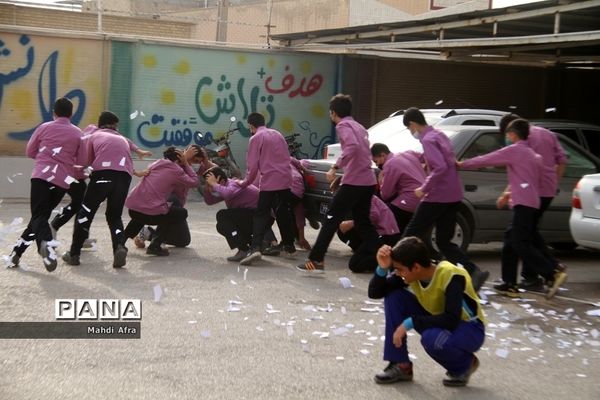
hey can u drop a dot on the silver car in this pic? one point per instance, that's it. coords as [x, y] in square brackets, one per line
[585, 214]
[479, 220]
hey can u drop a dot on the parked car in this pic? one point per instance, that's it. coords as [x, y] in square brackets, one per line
[479, 220]
[585, 214]
[585, 135]
[384, 131]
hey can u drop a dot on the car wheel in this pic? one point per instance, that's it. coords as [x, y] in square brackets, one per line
[564, 246]
[462, 235]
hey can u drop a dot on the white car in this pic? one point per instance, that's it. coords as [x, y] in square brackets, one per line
[392, 131]
[585, 212]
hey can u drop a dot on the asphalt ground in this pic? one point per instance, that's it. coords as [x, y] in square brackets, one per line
[214, 330]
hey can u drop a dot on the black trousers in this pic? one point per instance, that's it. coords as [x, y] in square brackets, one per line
[443, 217]
[528, 272]
[364, 258]
[280, 202]
[44, 197]
[518, 244]
[76, 192]
[235, 224]
[403, 217]
[109, 185]
[348, 198]
[164, 222]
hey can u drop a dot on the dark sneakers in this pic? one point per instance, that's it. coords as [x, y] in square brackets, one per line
[239, 256]
[120, 256]
[69, 259]
[507, 289]
[49, 256]
[273, 250]
[478, 279]
[462, 379]
[14, 260]
[560, 276]
[312, 267]
[157, 251]
[532, 285]
[251, 256]
[395, 372]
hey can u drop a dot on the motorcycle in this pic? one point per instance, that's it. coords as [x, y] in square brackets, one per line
[294, 146]
[219, 152]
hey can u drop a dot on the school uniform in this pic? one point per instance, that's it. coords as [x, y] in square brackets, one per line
[524, 175]
[109, 155]
[236, 221]
[546, 144]
[402, 173]
[443, 194]
[53, 146]
[364, 257]
[148, 201]
[356, 190]
[268, 157]
[445, 312]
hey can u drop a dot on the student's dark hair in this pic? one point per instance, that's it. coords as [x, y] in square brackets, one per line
[63, 107]
[171, 154]
[379, 148]
[107, 118]
[217, 172]
[341, 104]
[409, 251]
[197, 150]
[415, 115]
[505, 120]
[256, 120]
[520, 127]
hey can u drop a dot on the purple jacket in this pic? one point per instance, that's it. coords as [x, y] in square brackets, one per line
[82, 156]
[443, 184]
[54, 146]
[382, 218]
[150, 195]
[107, 149]
[297, 178]
[269, 157]
[356, 154]
[402, 174]
[233, 193]
[546, 144]
[523, 168]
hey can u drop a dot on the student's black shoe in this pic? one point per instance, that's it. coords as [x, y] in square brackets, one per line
[14, 260]
[274, 250]
[532, 285]
[49, 256]
[478, 279]
[239, 256]
[462, 379]
[289, 251]
[395, 372]
[120, 256]
[560, 277]
[312, 267]
[251, 256]
[314, 224]
[507, 289]
[69, 259]
[157, 251]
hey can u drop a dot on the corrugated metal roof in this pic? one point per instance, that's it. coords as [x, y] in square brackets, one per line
[548, 33]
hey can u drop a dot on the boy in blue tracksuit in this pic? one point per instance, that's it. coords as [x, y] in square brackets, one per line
[438, 301]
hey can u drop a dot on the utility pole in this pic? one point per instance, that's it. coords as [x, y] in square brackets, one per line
[222, 20]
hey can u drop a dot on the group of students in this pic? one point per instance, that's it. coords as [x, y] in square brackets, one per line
[416, 192]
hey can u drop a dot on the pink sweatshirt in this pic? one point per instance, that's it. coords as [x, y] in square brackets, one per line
[269, 157]
[356, 154]
[546, 144]
[150, 195]
[54, 146]
[402, 174]
[108, 150]
[382, 218]
[233, 193]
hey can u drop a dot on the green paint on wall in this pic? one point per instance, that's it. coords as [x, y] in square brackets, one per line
[120, 85]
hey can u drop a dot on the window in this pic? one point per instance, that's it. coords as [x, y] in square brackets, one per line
[578, 164]
[592, 138]
[570, 133]
[479, 122]
[484, 144]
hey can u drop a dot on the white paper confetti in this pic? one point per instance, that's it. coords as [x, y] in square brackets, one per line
[205, 333]
[158, 292]
[46, 169]
[133, 114]
[502, 353]
[339, 358]
[364, 351]
[345, 282]
[106, 163]
[56, 150]
[245, 273]
[82, 220]
[233, 282]
[593, 313]
[122, 162]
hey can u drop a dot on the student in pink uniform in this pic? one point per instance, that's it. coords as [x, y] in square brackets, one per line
[268, 156]
[400, 175]
[109, 155]
[147, 202]
[546, 144]
[53, 146]
[524, 175]
[234, 222]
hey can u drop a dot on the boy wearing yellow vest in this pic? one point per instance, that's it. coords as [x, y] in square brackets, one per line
[438, 301]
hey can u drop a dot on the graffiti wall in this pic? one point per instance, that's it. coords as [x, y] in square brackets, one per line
[34, 72]
[178, 96]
